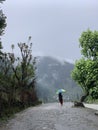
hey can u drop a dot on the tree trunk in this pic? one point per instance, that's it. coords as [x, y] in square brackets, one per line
[84, 97]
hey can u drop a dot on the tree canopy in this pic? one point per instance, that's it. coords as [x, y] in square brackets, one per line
[89, 44]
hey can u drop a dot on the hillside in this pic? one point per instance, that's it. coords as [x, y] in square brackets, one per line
[52, 75]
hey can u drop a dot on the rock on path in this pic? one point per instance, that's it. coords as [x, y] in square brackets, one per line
[54, 117]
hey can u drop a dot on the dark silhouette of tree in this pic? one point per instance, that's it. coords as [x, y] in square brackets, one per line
[2, 25]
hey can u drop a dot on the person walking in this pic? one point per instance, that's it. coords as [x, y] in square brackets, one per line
[60, 96]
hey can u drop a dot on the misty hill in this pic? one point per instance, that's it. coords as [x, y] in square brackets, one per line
[52, 75]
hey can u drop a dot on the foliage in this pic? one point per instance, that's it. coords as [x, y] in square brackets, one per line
[17, 78]
[89, 44]
[2, 24]
[85, 72]
[94, 93]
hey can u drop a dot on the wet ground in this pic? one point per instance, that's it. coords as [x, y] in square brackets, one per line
[54, 117]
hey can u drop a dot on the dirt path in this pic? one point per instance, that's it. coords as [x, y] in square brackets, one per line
[93, 106]
[54, 117]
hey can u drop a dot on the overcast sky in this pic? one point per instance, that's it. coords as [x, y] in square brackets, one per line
[55, 25]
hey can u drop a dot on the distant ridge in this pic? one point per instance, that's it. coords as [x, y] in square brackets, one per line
[53, 74]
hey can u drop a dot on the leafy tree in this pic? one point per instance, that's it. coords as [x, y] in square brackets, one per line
[24, 72]
[17, 78]
[85, 72]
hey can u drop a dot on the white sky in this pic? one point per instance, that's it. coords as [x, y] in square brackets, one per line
[55, 25]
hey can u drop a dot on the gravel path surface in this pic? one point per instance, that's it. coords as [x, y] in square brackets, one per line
[54, 117]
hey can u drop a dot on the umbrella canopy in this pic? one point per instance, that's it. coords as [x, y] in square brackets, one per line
[60, 91]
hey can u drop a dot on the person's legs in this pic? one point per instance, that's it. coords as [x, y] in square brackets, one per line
[61, 102]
